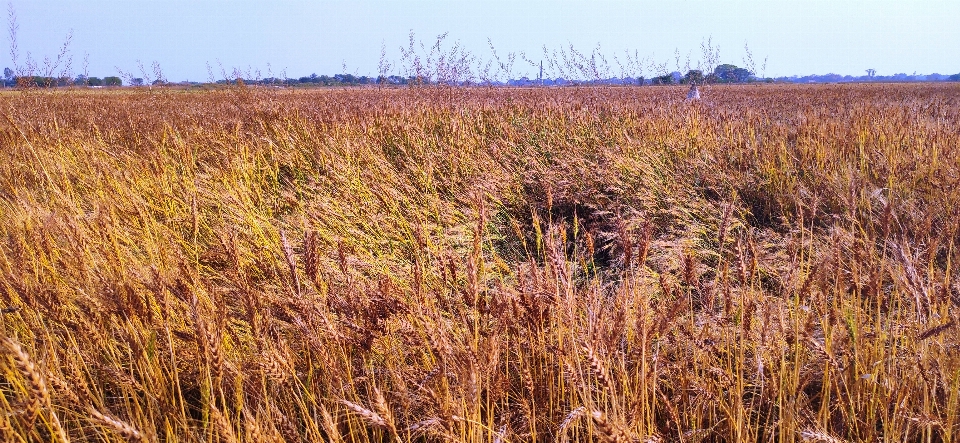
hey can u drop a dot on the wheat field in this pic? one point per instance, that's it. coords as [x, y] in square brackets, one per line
[773, 263]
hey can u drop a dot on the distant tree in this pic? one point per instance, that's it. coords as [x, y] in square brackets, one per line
[727, 73]
[7, 74]
[871, 72]
[954, 78]
[724, 73]
[693, 76]
[137, 81]
[40, 82]
[347, 79]
[94, 81]
[662, 80]
[112, 81]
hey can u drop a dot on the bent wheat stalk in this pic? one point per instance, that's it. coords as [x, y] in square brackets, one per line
[39, 394]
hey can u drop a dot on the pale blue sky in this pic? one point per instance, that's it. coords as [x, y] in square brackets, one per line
[798, 36]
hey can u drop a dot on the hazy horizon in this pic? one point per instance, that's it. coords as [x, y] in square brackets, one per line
[797, 37]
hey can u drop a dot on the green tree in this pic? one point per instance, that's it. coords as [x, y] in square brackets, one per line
[112, 81]
[662, 80]
[727, 73]
[693, 76]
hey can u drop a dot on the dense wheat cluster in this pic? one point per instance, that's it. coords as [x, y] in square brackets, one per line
[772, 263]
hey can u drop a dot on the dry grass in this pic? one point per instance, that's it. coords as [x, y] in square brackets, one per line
[772, 263]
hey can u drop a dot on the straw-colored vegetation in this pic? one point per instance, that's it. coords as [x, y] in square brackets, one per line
[773, 263]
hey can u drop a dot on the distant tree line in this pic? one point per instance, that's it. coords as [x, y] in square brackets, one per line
[725, 73]
[722, 74]
[870, 77]
[11, 80]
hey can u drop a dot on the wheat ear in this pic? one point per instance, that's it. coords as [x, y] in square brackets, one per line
[121, 427]
[568, 420]
[608, 431]
[40, 395]
[820, 437]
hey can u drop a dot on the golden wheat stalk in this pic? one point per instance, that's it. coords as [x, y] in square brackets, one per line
[383, 420]
[333, 431]
[608, 431]
[367, 414]
[39, 395]
[224, 428]
[251, 428]
[7, 432]
[820, 437]
[380, 403]
[287, 426]
[598, 368]
[121, 427]
[291, 260]
[568, 420]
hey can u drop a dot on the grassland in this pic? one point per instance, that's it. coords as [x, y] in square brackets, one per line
[774, 263]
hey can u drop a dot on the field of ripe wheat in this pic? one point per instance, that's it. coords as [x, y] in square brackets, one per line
[772, 263]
